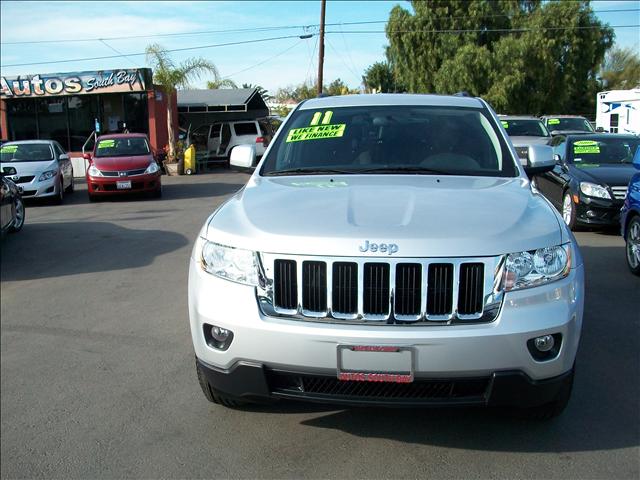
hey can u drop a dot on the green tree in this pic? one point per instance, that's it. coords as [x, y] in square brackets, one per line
[379, 77]
[170, 77]
[621, 69]
[264, 93]
[546, 63]
[221, 83]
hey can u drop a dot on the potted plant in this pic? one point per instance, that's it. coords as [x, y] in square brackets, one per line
[174, 164]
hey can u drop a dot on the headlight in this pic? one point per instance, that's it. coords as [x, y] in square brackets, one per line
[533, 268]
[94, 172]
[47, 175]
[152, 168]
[594, 190]
[229, 263]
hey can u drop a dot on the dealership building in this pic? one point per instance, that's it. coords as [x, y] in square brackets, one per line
[69, 107]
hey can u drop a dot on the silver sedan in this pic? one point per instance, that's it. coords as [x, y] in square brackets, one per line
[43, 168]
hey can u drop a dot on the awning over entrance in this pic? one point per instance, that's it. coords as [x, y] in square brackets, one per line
[200, 107]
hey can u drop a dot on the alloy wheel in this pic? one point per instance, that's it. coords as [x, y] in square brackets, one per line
[633, 244]
[17, 223]
[567, 209]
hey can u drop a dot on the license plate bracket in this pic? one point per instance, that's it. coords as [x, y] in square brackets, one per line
[375, 363]
[123, 185]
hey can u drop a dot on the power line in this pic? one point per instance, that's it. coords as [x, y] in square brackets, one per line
[118, 52]
[261, 29]
[486, 30]
[144, 53]
[264, 61]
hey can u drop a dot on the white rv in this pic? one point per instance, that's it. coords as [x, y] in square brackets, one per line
[618, 111]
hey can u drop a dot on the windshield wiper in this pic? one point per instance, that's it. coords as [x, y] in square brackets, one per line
[308, 171]
[403, 170]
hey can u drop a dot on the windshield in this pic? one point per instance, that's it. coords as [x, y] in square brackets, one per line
[122, 147]
[390, 139]
[26, 152]
[603, 151]
[525, 128]
[575, 124]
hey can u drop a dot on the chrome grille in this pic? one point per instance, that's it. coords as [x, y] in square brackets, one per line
[376, 290]
[619, 193]
[127, 173]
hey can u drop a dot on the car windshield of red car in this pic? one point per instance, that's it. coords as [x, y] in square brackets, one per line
[122, 147]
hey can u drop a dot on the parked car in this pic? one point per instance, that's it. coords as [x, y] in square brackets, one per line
[214, 142]
[567, 124]
[122, 163]
[388, 250]
[630, 219]
[12, 211]
[524, 131]
[589, 182]
[43, 168]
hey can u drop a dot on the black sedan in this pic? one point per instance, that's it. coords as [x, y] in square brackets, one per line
[11, 205]
[589, 182]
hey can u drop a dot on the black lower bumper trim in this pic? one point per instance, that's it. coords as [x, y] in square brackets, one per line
[506, 388]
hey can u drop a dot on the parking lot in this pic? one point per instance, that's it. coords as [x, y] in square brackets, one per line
[97, 375]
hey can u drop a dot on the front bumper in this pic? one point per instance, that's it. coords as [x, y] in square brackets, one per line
[254, 381]
[442, 352]
[36, 189]
[109, 185]
[598, 211]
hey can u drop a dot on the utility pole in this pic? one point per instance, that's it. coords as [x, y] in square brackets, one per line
[321, 47]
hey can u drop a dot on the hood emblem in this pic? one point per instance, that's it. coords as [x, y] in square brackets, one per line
[15, 177]
[388, 248]
[122, 174]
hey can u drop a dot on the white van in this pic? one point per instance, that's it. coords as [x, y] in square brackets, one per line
[618, 111]
[214, 142]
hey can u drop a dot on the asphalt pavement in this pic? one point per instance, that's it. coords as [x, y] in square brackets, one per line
[97, 375]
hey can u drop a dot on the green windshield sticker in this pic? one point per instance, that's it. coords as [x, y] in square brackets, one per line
[588, 165]
[504, 123]
[106, 143]
[586, 146]
[316, 133]
[554, 121]
[9, 149]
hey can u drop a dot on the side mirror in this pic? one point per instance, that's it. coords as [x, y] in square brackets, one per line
[243, 156]
[63, 157]
[636, 159]
[600, 130]
[86, 156]
[9, 171]
[541, 160]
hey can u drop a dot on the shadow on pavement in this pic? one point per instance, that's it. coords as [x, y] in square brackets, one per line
[44, 250]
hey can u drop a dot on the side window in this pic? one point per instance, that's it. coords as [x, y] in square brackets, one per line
[245, 128]
[59, 150]
[215, 131]
[561, 148]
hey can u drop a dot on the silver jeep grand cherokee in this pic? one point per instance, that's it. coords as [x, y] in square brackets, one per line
[388, 250]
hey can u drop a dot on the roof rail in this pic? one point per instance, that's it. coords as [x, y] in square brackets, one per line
[462, 94]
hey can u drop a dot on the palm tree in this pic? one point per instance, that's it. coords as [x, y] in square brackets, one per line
[221, 83]
[170, 77]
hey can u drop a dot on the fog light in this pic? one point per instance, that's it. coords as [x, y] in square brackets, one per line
[591, 213]
[544, 343]
[220, 334]
[217, 337]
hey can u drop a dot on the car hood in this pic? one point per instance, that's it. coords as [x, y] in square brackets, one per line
[426, 216]
[122, 163]
[612, 175]
[30, 168]
[522, 141]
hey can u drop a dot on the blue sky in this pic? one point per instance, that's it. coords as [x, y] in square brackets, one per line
[271, 64]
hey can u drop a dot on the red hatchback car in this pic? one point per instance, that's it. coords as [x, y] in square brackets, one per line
[122, 163]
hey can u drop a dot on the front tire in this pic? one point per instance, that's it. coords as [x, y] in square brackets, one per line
[212, 394]
[632, 245]
[568, 210]
[59, 198]
[71, 188]
[20, 216]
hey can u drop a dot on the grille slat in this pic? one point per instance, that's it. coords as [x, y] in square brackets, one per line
[376, 288]
[470, 294]
[314, 286]
[440, 289]
[286, 284]
[345, 287]
[408, 288]
[619, 193]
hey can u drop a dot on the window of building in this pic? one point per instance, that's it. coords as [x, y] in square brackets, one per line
[52, 120]
[135, 112]
[22, 119]
[83, 111]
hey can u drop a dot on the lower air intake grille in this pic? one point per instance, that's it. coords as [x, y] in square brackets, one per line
[440, 289]
[286, 284]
